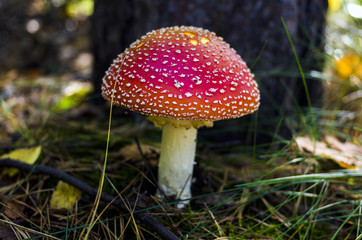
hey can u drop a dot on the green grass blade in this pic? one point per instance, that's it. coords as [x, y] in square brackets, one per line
[302, 178]
[303, 79]
[345, 221]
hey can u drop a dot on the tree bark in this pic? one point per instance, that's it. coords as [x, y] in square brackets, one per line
[253, 28]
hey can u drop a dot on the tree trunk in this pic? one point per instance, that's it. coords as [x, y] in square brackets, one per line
[253, 28]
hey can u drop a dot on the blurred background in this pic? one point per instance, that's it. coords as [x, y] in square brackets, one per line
[63, 47]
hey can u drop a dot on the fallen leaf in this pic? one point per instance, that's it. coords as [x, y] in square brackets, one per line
[26, 155]
[346, 147]
[131, 151]
[347, 155]
[65, 196]
[14, 210]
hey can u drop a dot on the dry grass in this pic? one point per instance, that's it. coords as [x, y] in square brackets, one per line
[235, 195]
[224, 205]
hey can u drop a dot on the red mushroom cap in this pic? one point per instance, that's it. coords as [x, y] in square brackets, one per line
[182, 73]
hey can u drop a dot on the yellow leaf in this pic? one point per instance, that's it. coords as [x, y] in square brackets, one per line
[348, 65]
[26, 155]
[65, 196]
[334, 5]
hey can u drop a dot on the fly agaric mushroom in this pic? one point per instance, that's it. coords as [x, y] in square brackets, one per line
[183, 78]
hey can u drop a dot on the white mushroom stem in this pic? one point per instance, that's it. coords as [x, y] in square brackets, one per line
[177, 157]
[177, 160]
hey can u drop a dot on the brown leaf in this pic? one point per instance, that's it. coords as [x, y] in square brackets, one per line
[131, 151]
[346, 147]
[14, 210]
[347, 155]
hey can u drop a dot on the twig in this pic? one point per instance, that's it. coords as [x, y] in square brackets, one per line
[85, 188]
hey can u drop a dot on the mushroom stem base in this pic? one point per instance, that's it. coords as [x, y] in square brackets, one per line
[177, 160]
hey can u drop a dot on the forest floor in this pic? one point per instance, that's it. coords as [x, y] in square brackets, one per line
[305, 187]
